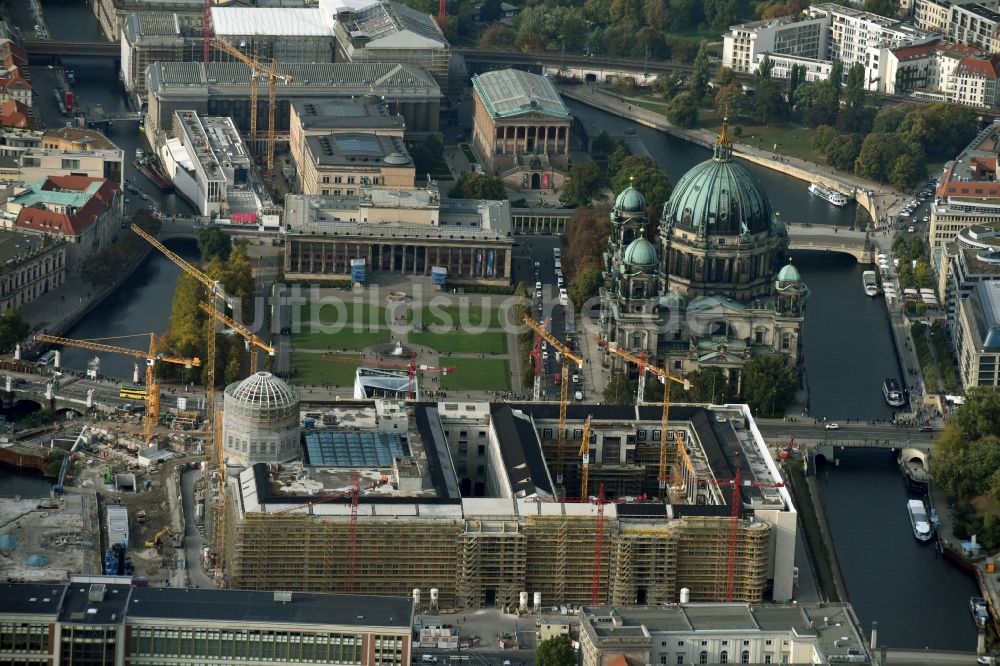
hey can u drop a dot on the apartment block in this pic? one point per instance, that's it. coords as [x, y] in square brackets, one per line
[795, 36]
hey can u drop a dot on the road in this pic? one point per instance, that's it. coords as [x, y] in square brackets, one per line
[927, 658]
[193, 540]
[805, 429]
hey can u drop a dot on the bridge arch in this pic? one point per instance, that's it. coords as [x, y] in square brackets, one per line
[915, 455]
[25, 406]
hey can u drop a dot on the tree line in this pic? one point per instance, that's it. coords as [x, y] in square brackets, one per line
[187, 334]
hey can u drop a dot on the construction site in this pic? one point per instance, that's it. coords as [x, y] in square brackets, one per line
[478, 503]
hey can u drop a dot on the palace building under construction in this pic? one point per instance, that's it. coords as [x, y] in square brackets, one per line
[461, 500]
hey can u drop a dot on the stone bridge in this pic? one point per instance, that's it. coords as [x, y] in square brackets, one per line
[858, 244]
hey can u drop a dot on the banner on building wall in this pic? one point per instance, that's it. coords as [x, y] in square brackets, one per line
[357, 270]
[546, 181]
[478, 267]
[489, 263]
[439, 274]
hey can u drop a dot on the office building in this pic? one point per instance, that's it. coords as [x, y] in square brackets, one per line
[37, 164]
[973, 257]
[105, 620]
[700, 633]
[209, 165]
[340, 164]
[795, 36]
[521, 128]
[977, 333]
[30, 267]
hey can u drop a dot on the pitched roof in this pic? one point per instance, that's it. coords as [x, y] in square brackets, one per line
[981, 67]
[935, 46]
[15, 114]
[12, 54]
[14, 83]
[511, 92]
[87, 198]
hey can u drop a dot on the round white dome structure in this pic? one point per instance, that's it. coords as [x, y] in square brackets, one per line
[260, 421]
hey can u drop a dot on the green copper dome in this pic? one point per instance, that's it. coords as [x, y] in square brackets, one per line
[640, 252]
[630, 201]
[789, 273]
[720, 196]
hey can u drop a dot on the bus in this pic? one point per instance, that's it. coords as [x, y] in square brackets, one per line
[132, 392]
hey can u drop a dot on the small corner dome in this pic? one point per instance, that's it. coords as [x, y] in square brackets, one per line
[789, 273]
[640, 252]
[630, 200]
[396, 159]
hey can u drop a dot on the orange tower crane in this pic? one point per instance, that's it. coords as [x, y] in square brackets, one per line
[567, 356]
[352, 550]
[251, 341]
[259, 70]
[216, 294]
[680, 454]
[152, 357]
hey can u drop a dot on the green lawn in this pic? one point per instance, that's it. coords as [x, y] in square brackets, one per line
[452, 316]
[353, 313]
[313, 369]
[346, 339]
[471, 343]
[474, 374]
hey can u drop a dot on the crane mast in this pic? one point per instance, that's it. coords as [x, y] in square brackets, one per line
[567, 356]
[151, 358]
[251, 340]
[585, 460]
[680, 455]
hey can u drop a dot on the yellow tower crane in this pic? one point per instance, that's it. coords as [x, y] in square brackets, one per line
[680, 453]
[152, 357]
[567, 356]
[258, 70]
[216, 293]
[585, 460]
[248, 336]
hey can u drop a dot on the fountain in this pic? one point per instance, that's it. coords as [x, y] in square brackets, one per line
[398, 350]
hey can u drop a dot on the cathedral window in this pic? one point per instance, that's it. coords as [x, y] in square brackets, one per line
[786, 341]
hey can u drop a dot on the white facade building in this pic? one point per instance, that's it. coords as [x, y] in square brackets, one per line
[856, 36]
[942, 70]
[209, 164]
[795, 36]
[816, 70]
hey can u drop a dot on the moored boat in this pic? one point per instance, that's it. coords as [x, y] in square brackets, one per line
[831, 195]
[980, 611]
[870, 282]
[893, 392]
[918, 520]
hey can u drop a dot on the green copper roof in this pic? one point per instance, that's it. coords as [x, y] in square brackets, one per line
[511, 92]
[630, 200]
[789, 273]
[723, 197]
[640, 252]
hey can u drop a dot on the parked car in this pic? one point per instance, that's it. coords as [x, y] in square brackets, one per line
[833, 426]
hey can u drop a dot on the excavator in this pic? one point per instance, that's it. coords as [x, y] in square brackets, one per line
[157, 541]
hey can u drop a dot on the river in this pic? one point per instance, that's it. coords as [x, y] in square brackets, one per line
[917, 599]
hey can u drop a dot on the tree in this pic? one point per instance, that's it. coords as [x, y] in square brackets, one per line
[698, 83]
[682, 110]
[767, 100]
[843, 151]
[472, 185]
[587, 232]
[618, 391]
[907, 172]
[557, 651]
[707, 385]
[730, 101]
[669, 85]
[213, 242]
[427, 155]
[13, 328]
[769, 383]
[646, 176]
[584, 286]
[979, 415]
[584, 184]
[836, 79]
[498, 37]
[854, 92]
[796, 77]
[967, 453]
[887, 8]
[824, 137]
[490, 11]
